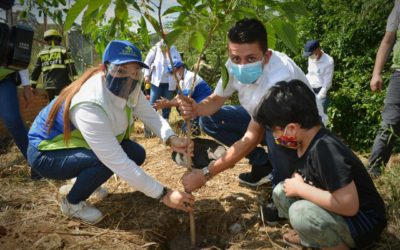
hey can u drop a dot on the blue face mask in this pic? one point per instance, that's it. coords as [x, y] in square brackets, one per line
[247, 73]
[121, 86]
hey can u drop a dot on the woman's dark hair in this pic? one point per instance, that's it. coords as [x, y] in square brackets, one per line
[288, 102]
[249, 31]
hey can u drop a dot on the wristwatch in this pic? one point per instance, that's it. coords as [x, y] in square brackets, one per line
[206, 173]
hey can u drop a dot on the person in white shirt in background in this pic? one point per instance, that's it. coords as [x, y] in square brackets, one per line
[320, 71]
[159, 76]
[84, 133]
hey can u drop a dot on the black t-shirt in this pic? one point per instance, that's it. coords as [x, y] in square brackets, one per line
[329, 165]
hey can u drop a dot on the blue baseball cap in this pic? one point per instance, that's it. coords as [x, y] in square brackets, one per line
[177, 64]
[310, 46]
[120, 52]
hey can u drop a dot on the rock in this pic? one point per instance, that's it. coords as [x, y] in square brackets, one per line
[235, 228]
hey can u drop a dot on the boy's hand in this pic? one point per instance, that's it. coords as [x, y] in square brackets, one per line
[187, 106]
[292, 185]
[161, 103]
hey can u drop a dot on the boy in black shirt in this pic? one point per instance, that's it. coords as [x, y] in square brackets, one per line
[331, 201]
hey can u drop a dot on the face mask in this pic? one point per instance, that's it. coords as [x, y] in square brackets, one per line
[287, 141]
[313, 57]
[121, 86]
[247, 73]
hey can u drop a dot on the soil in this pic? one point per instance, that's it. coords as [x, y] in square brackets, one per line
[226, 214]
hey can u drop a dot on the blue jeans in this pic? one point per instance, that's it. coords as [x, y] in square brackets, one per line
[228, 125]
[10, 115]
[161, 91]
[81, 163]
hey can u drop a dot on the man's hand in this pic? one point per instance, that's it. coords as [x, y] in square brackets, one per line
[292, 185]
[182, 145]
[376, 83]
[187, 106]
[193, 180]
[28, 95]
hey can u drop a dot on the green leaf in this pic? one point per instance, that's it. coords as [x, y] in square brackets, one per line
[197, 41]
[287, 34]
[224, 76]
[172, 35]
[172, 9]
[134, 4]
[121, 10]
[95, 5]
[153, 22]
[271, 36]
[74, 12]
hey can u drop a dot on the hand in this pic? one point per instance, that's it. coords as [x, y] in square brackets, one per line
[292, 185]
[147, 79]
[193, 180]
[28, 95]
[184, 146]
[179, 200]
[187, 106]
[376, 83]
[161, 103]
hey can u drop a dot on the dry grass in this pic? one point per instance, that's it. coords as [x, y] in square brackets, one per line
[30, 217]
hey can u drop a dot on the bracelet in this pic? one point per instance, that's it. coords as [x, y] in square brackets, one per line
[168, 141]
[164, 192]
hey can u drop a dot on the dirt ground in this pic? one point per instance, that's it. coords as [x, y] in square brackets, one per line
[226, 214]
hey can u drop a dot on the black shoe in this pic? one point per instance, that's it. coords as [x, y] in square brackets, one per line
[270, 214]
[259, 175]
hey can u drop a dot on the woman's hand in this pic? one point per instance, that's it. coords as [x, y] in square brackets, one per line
[179, 200]
[182, 145]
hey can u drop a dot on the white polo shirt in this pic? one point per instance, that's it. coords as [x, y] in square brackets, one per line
[320, 74]
[279, 68]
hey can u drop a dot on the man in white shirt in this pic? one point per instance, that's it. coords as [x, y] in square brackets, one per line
[250, 70]
[320, 71]
[158, 75]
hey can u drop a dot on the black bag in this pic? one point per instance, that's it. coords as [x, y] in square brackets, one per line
[204, 152]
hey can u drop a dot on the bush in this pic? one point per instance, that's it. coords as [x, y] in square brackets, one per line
[350, 32]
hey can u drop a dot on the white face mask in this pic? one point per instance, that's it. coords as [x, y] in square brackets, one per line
[313, 57]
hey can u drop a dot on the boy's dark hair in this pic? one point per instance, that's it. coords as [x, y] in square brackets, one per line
[249, 31]
[288, 102]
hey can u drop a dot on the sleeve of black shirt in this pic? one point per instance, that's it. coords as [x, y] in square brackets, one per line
[332, 165]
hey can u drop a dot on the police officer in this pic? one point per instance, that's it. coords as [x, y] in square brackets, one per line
[56, 64]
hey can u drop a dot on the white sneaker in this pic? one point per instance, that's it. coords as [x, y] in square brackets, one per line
[82, 210]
